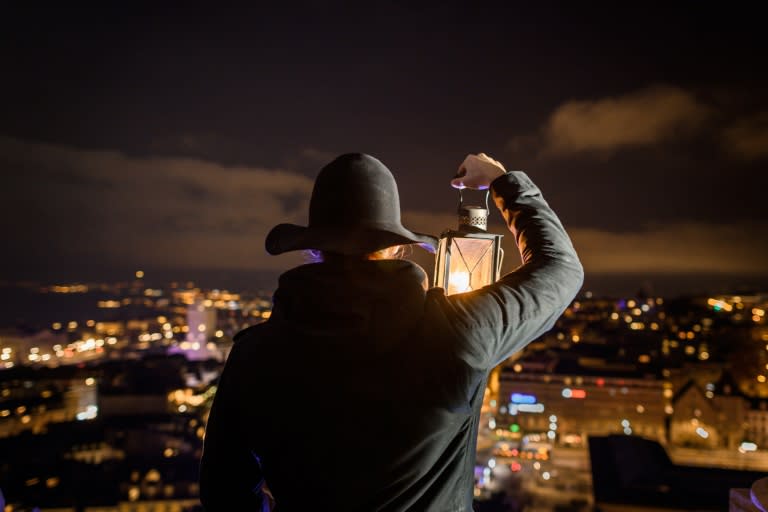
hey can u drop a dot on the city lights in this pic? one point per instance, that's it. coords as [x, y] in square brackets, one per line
[720, 305]
[89, 413]
[520, 398]
[747, 446]
[574, 393]
[193, 322]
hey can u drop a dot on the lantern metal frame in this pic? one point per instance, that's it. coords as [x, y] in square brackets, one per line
[472, 225]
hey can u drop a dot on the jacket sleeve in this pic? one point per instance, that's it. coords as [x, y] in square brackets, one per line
[230, 474]
[502, 318]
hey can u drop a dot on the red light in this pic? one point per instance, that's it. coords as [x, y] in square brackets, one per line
[578, 393]
[515, 467]
[601, 382]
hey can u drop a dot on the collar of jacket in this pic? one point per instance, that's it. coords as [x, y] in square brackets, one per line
[371, 298]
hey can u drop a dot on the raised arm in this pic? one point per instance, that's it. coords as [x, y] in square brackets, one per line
[502, 318]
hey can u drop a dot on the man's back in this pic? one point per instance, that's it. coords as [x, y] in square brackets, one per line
[363, 402]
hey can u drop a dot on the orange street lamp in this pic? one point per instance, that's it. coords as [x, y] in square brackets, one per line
[470, 257]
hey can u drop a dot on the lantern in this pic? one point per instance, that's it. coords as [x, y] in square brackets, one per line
[470, 257]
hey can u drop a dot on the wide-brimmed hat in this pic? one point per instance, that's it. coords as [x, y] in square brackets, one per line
[354, 209]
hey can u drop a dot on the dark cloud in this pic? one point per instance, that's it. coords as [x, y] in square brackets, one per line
[641, 118]
[105, 205]
[671, 248]
[676, 248]
[747, 139]
[655, 116]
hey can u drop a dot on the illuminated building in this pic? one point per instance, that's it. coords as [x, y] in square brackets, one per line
[18, 347]
[757, 424]
[58, 398]
[696, 421]
[201, 320]
[589, 401]
[201, 328]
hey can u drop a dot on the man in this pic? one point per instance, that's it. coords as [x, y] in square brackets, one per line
[362, 392]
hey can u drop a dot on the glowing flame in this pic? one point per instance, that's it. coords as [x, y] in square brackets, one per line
[458, 282]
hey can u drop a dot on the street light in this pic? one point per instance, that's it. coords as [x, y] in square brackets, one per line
[470, 257]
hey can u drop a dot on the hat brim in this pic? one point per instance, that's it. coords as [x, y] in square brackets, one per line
[349, 240]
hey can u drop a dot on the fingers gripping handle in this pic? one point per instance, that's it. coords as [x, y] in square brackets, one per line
[477, 172]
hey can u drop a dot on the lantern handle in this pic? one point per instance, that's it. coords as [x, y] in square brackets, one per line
[461, 199]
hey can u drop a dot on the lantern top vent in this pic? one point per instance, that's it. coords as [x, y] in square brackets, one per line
[472, 217]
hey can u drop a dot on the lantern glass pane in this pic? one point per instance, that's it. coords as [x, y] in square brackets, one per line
[440, 266]
[471, 264]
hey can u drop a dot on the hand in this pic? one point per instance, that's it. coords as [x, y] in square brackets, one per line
[477, 172]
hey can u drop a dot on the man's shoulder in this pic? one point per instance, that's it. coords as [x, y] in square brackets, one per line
[250, 342]
[250, 333]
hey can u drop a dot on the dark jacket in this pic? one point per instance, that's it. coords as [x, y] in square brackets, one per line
[362, 392]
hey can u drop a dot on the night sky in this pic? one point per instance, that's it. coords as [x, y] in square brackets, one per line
[175, 138]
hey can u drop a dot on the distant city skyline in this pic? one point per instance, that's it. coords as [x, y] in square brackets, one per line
[174, 139]
[25, 305]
